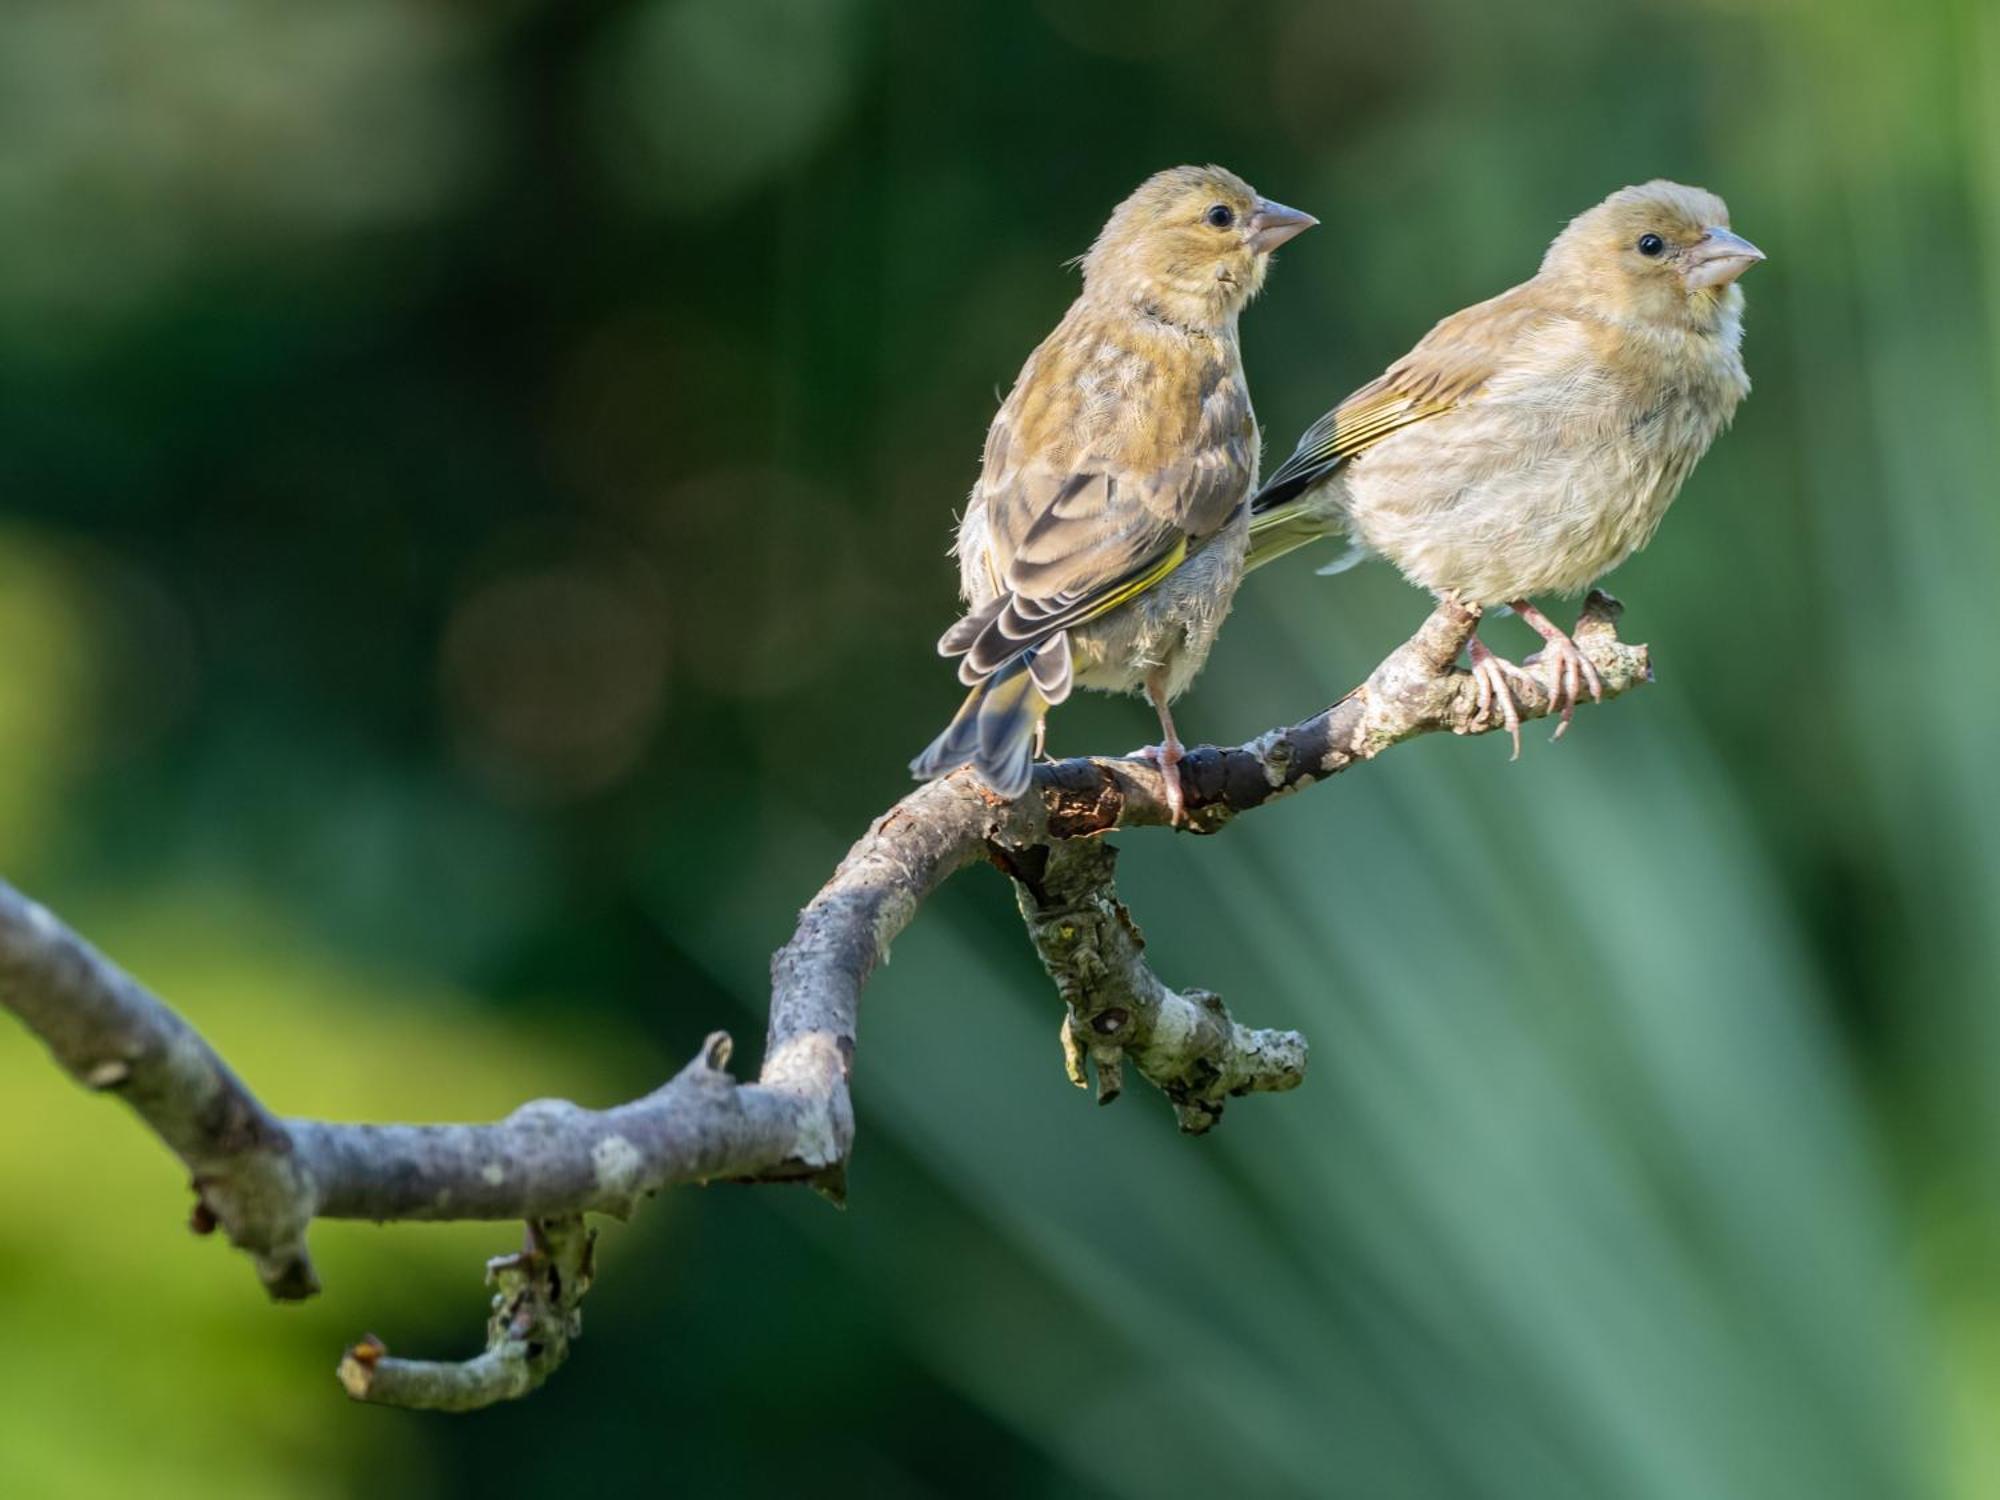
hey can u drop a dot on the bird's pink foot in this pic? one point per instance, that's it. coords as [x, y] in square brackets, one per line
[1571, 672]
[1167, 756]
[1489, 675]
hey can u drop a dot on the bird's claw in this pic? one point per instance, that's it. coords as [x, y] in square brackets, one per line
[1489, 676]
[1571, 673]
[1168, 758]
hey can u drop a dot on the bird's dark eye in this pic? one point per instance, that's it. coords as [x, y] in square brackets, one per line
[1221, 216]
[1651, 244]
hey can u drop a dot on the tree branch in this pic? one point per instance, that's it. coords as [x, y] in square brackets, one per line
[263, 1179]
[1185, 1045]
[535, 1315]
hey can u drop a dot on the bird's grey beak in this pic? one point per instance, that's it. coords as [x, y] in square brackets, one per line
[1718, 258]
[1273, 223]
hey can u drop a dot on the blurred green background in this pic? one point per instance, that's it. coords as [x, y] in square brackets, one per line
[476, 481]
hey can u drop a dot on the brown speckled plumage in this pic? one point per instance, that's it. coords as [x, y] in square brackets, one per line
[1530, 443]
[1104, 540]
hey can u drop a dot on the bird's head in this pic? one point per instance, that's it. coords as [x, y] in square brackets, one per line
[1656, 253]
[1191, 245]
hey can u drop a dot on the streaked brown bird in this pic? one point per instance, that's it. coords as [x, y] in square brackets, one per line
[1531, 443]
[1105, 538]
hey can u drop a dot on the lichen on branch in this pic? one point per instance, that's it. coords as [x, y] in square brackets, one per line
[262, 1179]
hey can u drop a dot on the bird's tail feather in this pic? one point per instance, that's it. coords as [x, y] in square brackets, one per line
[1280, 530]
[994, 729]
[1049, 665]
[1355, 555]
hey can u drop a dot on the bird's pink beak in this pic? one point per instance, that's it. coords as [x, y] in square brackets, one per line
[1271, 224]
[1718, 258]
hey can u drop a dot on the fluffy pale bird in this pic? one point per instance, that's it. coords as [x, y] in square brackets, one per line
[1531, 443]
[1104, 540]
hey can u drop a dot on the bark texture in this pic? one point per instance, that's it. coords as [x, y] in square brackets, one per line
[263, 1179]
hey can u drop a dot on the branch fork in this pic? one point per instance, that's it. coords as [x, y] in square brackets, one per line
[536, 1314]
[1183, 1043]
[262, 1180]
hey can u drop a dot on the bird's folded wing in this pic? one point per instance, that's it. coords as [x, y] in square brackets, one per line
[1450, 366]
[1071, 545]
